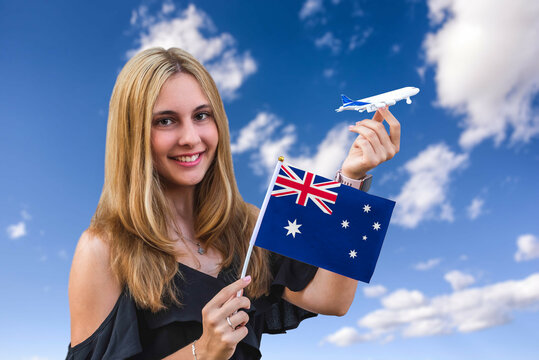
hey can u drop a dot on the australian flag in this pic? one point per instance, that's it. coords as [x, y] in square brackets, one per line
[324, 223]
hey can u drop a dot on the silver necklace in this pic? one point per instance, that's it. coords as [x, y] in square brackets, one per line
[200, 249]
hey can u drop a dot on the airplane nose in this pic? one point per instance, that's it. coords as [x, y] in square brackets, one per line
[416, 90]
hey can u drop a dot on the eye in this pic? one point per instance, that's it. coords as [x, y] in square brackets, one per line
[163, 122]
[202, 116]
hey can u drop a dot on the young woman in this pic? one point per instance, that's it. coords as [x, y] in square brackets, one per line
[155, 274]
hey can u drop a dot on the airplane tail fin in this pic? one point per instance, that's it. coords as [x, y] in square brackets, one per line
[345, 99]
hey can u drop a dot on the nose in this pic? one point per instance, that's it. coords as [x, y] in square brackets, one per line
[188, 134]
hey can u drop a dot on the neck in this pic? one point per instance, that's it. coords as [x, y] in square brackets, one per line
[182, 201]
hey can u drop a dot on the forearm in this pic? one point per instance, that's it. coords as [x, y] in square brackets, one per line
[328, 293]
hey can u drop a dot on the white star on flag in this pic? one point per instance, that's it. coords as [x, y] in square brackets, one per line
[364, 237]
[293, 228]
[352, 254]
[345, 224]
[376, 226]
[366, 208]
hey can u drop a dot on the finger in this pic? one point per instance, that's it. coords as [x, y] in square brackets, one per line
[371, 136]
[378, 116]
[239, 319]
[364, 145]
[231, 307]
[359, 122]
[234, 337]
[394, 127]
[228, 292]
[388, 147]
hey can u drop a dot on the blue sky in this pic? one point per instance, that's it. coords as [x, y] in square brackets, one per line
[458, 276]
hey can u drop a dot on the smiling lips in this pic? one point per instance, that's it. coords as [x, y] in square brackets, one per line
[188, 160]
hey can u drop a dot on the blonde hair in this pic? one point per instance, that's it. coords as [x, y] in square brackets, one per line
[133, 214]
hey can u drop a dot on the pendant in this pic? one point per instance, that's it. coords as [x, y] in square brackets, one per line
[200, 249]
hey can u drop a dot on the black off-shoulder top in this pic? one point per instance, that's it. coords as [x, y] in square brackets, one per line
[129, 332]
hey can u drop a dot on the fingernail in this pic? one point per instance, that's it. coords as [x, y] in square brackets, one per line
[247, 278]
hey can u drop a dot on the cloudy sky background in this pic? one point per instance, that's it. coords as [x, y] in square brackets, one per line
[458, 276]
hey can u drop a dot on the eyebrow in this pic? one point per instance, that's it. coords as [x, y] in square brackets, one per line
[170, 112]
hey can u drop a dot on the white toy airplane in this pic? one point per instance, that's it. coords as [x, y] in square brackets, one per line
[378, 101]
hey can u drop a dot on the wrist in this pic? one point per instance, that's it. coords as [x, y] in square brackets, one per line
[353, 175]
[198, 350]
[363, 183]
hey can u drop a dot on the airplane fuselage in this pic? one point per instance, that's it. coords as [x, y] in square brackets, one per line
[373, 103]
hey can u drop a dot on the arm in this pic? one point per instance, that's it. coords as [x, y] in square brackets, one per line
[372, 146]
[93, 289]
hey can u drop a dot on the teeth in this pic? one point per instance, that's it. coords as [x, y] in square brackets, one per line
[187, 158]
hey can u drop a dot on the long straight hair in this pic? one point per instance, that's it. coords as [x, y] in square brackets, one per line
[133, 213]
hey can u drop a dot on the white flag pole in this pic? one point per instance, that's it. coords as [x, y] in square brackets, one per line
[260, 216]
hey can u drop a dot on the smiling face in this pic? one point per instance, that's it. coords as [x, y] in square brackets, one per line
[184, 135]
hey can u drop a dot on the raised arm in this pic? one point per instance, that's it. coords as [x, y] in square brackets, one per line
[93, 290]
[329, 293]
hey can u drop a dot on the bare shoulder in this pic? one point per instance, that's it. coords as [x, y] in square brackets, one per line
[93, 289]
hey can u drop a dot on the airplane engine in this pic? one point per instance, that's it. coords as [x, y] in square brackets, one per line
[408, 101]
[379, 105]
[391, 102]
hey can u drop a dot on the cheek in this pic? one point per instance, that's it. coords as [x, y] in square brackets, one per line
[214, 136]
[161, 143]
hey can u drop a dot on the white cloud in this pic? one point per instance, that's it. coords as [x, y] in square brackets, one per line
[396, 48]
[62, 254]
[347, 336]
[260, 128]
[485, 58]
[447, 213]
[187, 30]
[427, 265]
[461, 311]
[329, 153]
[267, 137]
[459, 280]
[402, 299]
[231, 71]
[16, 231]
[528, 247]
[475, 208]
[357, 40]
[374, 291]
[421, 70]
[168, 7]
[328, 73]
[424, 195]
[25, 215]
[310, 8]
[328, 40]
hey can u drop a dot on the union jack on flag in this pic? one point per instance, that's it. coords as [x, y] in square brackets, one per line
[305, 188]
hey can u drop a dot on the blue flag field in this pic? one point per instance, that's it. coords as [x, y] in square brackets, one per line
[324, 223]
